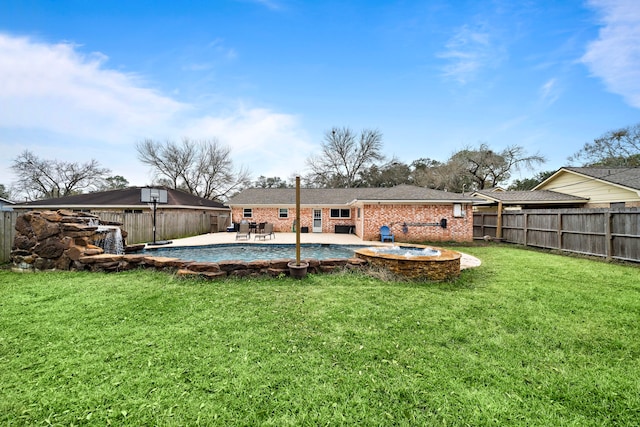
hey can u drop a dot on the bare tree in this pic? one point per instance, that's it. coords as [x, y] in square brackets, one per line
[620, 147]
[46, 179]
[344, 155]
[202, 168]
[449, 176]
[4, 193]
[488, 168]
[389, 174]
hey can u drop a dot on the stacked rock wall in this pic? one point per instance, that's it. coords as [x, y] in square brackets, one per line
[55, 240]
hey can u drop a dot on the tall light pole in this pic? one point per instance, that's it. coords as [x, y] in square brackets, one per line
[297, 220]
[297, 268]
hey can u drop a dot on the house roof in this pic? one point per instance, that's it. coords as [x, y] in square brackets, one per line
[529, 197]
[127, 197]
[621, 176]
[344, 196]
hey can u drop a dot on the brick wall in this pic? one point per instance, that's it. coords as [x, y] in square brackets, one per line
[373, 217]
[286, 224]
[416, 217]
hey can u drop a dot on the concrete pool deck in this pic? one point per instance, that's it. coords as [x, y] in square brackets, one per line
[467, 261]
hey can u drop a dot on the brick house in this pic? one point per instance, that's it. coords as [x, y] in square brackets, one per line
[412, 213]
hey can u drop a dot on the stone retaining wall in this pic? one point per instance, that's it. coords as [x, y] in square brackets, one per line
[208, 270]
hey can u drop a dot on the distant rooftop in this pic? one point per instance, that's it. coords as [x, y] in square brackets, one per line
[343, 196]
[127, 197]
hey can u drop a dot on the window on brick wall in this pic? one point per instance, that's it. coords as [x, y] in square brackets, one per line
[458, 212]
[340, 213]
[247, 213]
[283, 213]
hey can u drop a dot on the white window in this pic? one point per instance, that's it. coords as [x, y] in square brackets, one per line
[283, 213]
[247, 213]
[457, 210]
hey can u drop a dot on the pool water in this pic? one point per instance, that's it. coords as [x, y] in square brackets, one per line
[240, 252]
[406, 251]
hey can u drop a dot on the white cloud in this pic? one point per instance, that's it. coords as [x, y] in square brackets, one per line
[54, 88]
[549, 92]
[615, 55]
[468, 52]
[65, 105]
[269, 143]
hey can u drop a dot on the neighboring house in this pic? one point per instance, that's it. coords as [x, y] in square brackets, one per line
[128, 200]
[603, 187]
[413, 213]
[6, 205]
[512, 200]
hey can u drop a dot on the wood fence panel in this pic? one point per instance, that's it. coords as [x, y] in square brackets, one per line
[484, 224]
[7, 234]
[626, 223]
[513, 228]
[600, 232]
[543, 239]
[589, 244]
[169, 225]
[625, 248]
[625, 231]
[586, 223]
[542, 220]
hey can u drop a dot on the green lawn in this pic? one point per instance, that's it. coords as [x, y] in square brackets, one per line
[528, 339]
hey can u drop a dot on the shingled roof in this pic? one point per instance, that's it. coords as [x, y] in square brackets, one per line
[529, 197]
[127, 197]
[627, 177]
[344, 196]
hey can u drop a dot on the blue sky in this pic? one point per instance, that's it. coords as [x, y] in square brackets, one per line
[90, 79]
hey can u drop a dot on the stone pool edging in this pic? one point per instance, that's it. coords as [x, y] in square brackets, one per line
[209, 270]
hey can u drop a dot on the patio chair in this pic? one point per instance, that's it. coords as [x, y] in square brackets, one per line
[267, 231]
[385, 234]
[243, 231]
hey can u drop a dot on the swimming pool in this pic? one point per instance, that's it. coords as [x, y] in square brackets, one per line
[240, 252]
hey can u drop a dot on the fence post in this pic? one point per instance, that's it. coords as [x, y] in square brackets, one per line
[559, 231]
[608, 249]
[499, 223]
[7, 233]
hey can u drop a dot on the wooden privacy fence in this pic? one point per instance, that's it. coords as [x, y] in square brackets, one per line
[7, 233]
[599, 232]
[139, 226]
[169, 225]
